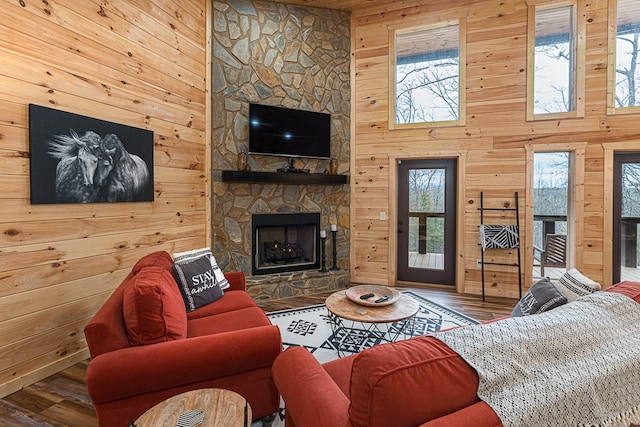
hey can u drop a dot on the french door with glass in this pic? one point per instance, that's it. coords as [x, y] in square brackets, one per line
[427, 221]
[626, 216]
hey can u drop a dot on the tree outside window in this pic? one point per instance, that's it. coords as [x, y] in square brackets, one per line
[627, 73]
[550, 192]
[553, 79]
[556, 60]
[426, 195]
[427, 75]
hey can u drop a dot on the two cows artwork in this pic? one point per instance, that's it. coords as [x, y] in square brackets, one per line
[92, 165]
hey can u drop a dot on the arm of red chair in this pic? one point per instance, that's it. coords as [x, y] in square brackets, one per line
[477, 415]
[138, 370]
[237, 281]
[311, 397]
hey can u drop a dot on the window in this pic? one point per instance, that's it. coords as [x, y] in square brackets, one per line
[427, 75]
[556, 62]
[626, 208]
[624, 71]
[550, 203]
[555, 216]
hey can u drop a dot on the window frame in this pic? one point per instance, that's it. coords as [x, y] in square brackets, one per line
[462, 60]
[575, 207]
[578, 63]
[611, 66]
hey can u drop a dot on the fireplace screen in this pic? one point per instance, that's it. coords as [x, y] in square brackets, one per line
[285, 242]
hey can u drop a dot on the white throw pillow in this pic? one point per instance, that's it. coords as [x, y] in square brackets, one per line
[574, 285]
[189, 256]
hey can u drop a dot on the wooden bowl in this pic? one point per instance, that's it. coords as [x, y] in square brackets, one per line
[354, 293]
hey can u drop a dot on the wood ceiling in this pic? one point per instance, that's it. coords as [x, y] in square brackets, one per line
[354, 5]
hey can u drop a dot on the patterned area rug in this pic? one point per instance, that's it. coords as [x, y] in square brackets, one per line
[310, 327]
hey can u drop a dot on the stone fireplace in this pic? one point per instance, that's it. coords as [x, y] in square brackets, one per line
[292, 56]
[285, 242]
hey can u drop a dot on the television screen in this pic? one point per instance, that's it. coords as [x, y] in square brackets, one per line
[286, 132]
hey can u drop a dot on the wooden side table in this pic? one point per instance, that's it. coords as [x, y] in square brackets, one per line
[214, 406]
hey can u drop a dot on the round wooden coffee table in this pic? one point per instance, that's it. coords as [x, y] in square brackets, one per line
[374, 324]
[208, 407]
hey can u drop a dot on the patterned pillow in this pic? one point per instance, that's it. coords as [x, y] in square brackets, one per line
[574, 285]
[499, 236]
[197, 283]
[542, 296]
[183, 257]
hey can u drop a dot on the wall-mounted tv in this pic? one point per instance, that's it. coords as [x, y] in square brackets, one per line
[279, 131]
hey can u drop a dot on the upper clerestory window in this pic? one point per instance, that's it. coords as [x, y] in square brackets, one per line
[624, 71]
[428, 76]
[555, 78]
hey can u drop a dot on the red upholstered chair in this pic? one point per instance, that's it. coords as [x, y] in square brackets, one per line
[416, 382]
[145, 347]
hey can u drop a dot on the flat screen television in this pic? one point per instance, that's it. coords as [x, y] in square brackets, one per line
[286, 132]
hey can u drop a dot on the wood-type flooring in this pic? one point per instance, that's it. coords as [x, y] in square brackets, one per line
[62, 400]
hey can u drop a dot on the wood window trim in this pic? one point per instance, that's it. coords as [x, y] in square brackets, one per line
[579, 53]
[462, 61]
[575, 226]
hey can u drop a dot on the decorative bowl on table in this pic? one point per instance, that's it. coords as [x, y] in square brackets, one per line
[383, 294]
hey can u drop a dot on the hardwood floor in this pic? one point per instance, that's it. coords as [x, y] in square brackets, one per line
[62, 400]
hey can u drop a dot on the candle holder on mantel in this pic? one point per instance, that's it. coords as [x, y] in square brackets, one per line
[323, 252]
[334, 232]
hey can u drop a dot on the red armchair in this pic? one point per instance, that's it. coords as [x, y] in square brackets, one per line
[228, 344]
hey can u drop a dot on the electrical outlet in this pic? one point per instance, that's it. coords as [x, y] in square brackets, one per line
[383, 216]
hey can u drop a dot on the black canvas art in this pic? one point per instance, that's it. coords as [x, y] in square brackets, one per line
[79, 159]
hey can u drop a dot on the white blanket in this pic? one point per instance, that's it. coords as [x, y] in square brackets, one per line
[576, 365]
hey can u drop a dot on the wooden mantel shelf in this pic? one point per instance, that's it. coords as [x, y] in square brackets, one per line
[283, 178]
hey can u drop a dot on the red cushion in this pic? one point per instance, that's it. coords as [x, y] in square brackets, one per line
[244, 318]
[231, 301]
[153, 308]
[160, 259]
[408, 382]
[628, 288]
[340, 371]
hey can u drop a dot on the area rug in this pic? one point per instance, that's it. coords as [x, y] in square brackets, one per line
[310, 327]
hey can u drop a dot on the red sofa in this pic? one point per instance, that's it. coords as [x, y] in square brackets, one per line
[417, 382]
[228, 344]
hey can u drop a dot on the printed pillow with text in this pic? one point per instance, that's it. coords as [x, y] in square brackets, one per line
[197, 282]
[182, 257]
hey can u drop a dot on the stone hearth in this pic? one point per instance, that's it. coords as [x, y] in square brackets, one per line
[296, 283]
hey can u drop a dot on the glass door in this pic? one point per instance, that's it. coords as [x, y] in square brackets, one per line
[551, 209]
[426, 221]
[626, 211]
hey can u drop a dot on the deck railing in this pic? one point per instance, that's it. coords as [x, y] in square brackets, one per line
[422, 227]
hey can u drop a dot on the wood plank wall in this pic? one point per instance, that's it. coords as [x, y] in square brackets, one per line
[138, 63]
[493, 141]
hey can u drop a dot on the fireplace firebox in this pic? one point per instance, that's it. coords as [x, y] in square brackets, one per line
[285, 242]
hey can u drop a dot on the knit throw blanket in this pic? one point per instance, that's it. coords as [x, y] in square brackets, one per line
[576, 365]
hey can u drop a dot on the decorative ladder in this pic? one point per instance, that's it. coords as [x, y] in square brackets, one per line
[504, 239]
